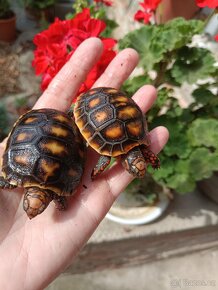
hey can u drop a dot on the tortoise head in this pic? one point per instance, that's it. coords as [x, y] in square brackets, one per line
[36, 201]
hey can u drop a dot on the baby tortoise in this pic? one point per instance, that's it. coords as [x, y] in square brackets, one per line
[45, 154]
[114, 125]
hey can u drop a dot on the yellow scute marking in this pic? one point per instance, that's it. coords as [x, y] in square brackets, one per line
[55, 147]
[86, 133]
[121, 99]
[23, 136]
[111, 91]
[93, 91]
[22, 159]
[48, 169]
[58, 131]
[127, 113]
[94, 102]
[61, 118]
[30, 120]
[134, 129]
[100, 116]
[114, 132]
[80, 123]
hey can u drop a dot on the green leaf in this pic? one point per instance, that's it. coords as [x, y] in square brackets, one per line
[204, 132]
[188, 70]
[174, 35]
[182, 183]
[132, 85]
[140, 40]
[178, 145]
[166, 169]
[202, 163]
[202, 95]
[157, 43]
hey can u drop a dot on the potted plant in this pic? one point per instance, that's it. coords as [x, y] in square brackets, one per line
[7, 22]
[142, 202]
[40, 10]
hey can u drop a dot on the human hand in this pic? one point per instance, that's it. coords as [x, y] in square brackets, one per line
[34, 252]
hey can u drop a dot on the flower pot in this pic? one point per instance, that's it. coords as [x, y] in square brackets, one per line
[170, 9]
[133, 208]
[8, 29]
[209, 187]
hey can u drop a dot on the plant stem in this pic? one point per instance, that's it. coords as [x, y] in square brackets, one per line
[160, 76]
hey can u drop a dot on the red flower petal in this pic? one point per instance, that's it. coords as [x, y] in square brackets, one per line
[150, 4]
[106, 2]
[208, 3]
[143, 16]
[56, 45]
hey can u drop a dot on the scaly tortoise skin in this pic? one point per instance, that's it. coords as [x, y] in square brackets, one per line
[45, 154]
[114, 126]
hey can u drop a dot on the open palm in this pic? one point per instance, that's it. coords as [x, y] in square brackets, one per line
[33, 252]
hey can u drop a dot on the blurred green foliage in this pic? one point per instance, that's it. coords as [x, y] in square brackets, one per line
[191, 153]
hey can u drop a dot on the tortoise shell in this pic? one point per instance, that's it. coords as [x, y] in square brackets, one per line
[44, 149]
[110, 122]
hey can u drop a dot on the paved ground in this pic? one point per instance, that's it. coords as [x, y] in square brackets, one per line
[194, 272]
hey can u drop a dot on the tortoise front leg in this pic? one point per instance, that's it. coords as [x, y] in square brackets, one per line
[36, 200]
[5, 184]
[150, 157]
[102, 163]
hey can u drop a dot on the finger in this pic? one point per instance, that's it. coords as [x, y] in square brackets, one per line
[119, 69]
[65, 85]
[145, 97]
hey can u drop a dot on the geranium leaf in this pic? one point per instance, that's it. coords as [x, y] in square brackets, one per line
[182, 183]
[204, 132]
[178, 145]
[190, 71]
[201, 163]
[202, 95]
[153, 43]
[132, 85]
[140, 40]
[166, 169]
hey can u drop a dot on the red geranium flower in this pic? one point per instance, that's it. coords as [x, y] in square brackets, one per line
[55, 46]
[216, 37]
[106, 2]
[150, 4]
[143, 16]
[149, 7]
[208, 3]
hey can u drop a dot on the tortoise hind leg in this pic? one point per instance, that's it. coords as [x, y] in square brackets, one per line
[102, 163]
[36, 200]
[5, 184]
[60, 202]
